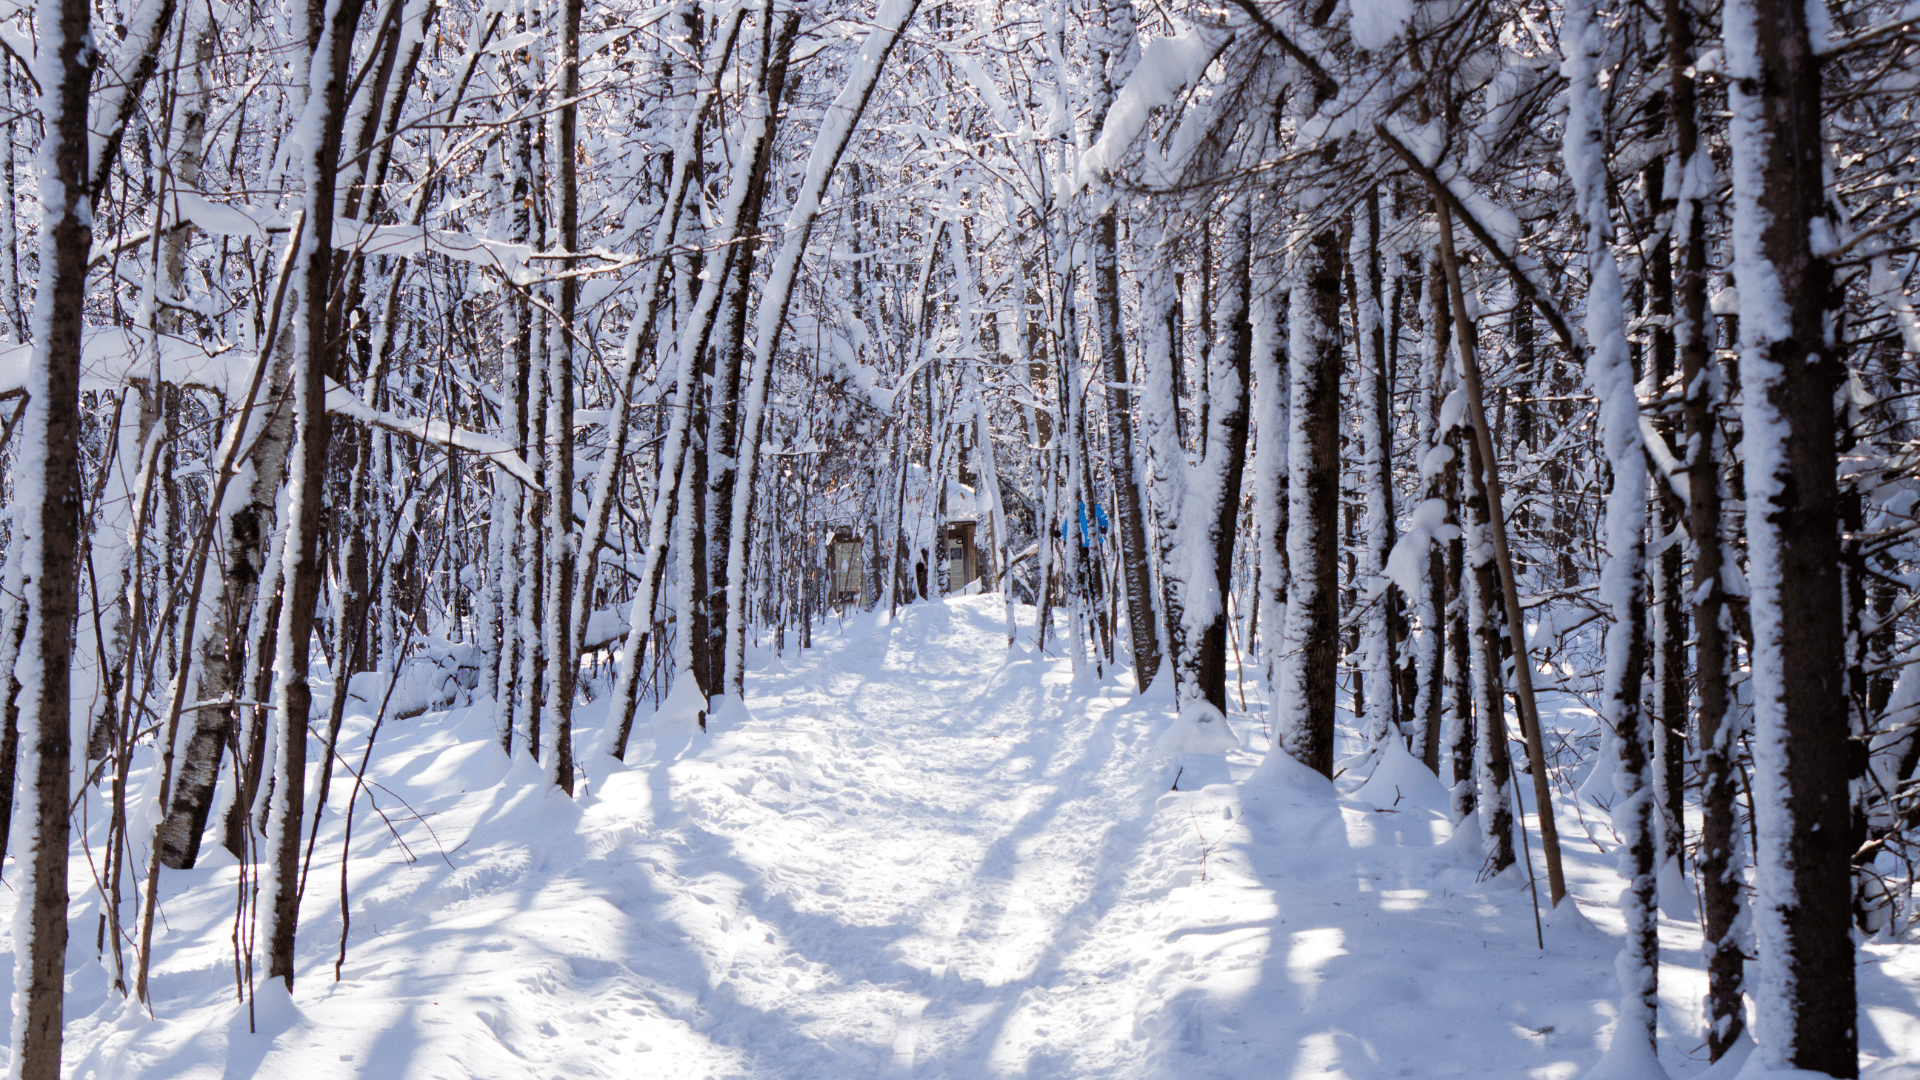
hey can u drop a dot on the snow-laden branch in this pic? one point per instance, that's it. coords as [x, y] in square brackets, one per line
[1168, 67]
[1475, 211]
[503, 454]
[120, 91]
[510, 259]
[1672, 470]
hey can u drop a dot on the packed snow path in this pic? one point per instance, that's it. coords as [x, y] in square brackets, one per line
[918, 856]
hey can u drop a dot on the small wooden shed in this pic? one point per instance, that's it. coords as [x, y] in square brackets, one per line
[846, 578]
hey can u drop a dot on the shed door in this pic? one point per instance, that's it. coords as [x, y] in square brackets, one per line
[960, 555]
[846, 571]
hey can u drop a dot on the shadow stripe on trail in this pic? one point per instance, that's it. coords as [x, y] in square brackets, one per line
[1017, 799]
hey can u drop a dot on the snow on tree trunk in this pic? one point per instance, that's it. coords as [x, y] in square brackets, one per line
[1720, 852]
[1622, 582]
[1207, 525]
[314, 350]
[1304, 709]
[1790, 367]
[1424, 577]
[1160, 422]
[43, 574]
[1370, 407]
[1456, 673]
[1271, 394]
[1485, 631]
[15, 324]
[563, 663]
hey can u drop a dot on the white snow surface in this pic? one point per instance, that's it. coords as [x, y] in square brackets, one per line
[1377, 22]
[912, 853]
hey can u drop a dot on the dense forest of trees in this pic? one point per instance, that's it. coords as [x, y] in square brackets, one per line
[1344, 348]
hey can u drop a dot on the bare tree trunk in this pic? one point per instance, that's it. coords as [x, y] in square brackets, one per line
[1376, 480]
[45, 572]
[314, 357]
[1111, 42]
[563, 666]
[1719, 856]
[1491, 770]
[1305, 725]
[1214, 494]
[1789, 371]
[1585, 40]
[1131, 524]
[1668, 648]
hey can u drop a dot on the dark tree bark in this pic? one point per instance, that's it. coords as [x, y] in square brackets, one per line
[315, 357]
[563, 665]
[1131, 524]
[1227, 410]
[1668, 648]
[1789, 371]
[47, 552]
[1491, 768]
[731, 354]
[1313, 527]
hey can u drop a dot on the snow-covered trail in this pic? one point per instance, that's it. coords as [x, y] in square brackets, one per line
[918, 856]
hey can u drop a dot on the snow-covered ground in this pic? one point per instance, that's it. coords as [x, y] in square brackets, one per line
[918, 856]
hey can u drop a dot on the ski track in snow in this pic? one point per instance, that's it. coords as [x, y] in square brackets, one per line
[918, 857]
